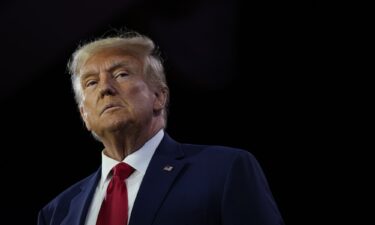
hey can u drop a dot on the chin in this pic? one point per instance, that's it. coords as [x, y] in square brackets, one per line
[116, 125]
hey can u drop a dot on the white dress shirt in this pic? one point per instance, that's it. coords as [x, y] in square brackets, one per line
[139, 160]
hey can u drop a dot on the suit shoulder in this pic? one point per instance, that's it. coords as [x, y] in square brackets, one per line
[64, 197]
[215, 149]
[216, 152]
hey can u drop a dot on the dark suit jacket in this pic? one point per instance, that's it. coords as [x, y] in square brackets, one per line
[208, 185]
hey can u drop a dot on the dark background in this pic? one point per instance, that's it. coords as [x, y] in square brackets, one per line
[240, 75]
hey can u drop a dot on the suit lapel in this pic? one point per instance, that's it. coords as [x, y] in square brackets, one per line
[160, 175]
[80, 203]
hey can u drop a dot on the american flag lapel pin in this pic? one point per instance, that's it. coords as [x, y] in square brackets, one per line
[168, 168]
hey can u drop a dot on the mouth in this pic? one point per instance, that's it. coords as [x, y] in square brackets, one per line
[109, 107]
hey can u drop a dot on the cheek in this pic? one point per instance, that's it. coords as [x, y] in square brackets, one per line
[139, 91]
[86, 106]
[141, 97]
[89, 112]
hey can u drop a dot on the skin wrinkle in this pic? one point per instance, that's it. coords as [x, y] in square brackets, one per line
[123, 129]
[111, 67]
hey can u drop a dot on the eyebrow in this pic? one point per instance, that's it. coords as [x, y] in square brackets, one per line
[112, 67]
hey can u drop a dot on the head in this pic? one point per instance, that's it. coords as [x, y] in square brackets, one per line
[119, 82]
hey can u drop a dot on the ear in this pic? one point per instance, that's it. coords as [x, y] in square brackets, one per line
[84, 117]
[161, 95]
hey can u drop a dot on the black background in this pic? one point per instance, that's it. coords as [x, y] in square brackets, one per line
[241, 75]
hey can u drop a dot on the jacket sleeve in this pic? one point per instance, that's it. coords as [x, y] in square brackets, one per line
[247, 198]
[41, 219]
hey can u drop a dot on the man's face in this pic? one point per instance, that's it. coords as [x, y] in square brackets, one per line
[115, 92]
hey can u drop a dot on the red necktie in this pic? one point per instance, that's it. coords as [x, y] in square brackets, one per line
[114, 209]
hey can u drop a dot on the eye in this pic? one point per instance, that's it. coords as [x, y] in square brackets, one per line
[121, 75]
[90, 83]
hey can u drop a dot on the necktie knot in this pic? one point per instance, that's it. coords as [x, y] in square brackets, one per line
[122, 170]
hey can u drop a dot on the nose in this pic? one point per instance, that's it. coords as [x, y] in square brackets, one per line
[106, 87]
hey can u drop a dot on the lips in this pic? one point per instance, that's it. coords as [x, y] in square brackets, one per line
[109, 106]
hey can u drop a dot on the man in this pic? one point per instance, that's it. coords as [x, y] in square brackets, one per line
[146, 177]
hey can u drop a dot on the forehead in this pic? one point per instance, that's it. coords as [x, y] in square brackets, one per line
[105, 59]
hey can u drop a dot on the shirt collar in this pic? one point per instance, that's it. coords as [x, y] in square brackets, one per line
[139, 159]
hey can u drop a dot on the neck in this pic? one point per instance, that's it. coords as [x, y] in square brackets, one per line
[120, 144]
